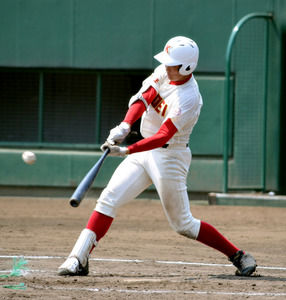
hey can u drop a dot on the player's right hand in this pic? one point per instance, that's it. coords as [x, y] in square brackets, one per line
[118, 133]
[115, 150]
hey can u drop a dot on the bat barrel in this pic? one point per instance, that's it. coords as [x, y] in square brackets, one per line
[74, 202]
[87, 181]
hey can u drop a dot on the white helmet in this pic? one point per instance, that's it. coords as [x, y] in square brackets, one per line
[180, 50]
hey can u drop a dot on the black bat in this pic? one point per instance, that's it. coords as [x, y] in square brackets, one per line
[87, 181]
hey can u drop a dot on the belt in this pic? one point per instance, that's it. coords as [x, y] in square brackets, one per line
[167, 145]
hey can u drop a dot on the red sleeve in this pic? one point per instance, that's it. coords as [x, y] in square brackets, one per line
[165, 133]
[137, 109]
[134, 112]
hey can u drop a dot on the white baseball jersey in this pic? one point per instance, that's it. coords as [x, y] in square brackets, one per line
[181, 103]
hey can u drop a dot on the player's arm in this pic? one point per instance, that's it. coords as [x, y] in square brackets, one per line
[164, 134]
[135, 111]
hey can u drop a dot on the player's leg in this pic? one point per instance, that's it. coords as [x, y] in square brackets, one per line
[210, 236]
[168, 170]
[127, 182]
[170, 181]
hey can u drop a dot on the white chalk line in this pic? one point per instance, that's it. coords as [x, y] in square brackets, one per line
[215, 265]
[136, 291]
[130, 291]
[140, 261]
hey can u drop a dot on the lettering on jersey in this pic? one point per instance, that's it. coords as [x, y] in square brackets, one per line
[159, 105]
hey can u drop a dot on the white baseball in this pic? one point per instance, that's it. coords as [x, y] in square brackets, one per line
[29, 157]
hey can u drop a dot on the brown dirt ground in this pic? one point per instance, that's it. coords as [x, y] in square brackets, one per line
[140, 233]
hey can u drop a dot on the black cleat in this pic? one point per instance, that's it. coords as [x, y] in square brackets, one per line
[244, 262]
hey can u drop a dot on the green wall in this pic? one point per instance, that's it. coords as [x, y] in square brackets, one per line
[111, 34]
[124, 35]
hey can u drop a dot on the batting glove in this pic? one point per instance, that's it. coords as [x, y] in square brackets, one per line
[114, 150]
[118, 133]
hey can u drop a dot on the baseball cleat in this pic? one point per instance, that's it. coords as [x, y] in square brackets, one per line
[244, 262]
[72, 267]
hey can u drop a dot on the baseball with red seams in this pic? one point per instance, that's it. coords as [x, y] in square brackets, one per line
[29, 157]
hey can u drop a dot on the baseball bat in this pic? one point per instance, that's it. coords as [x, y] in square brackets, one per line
[87, 181]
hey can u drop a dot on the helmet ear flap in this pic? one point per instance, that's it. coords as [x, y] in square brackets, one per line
[186, 69]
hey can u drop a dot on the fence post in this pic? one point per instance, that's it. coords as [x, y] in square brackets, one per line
[98, 109]
[41, 108]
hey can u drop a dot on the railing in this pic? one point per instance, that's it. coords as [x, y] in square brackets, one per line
[235, 30]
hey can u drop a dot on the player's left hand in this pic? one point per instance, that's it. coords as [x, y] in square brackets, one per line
[118, 133]
[114, 150]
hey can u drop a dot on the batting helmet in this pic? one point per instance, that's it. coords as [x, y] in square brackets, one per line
[180, 50]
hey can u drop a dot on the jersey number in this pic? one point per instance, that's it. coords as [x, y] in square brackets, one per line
[159, 105]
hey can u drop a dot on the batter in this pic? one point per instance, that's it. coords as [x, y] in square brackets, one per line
[169, 104]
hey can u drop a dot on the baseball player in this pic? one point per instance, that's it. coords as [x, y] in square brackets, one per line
[169, 104]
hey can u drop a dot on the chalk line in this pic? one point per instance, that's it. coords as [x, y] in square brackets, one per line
[145, 291]
[141, 261]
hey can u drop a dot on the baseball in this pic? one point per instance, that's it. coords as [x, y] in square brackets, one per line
[29, 157]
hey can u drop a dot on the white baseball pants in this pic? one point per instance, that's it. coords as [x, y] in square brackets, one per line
[167, 169]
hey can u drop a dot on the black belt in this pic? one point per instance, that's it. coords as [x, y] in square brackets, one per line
[167, 145]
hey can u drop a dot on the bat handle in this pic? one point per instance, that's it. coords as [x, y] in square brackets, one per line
[107, 150]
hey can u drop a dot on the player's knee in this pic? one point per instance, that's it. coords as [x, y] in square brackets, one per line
[189, 229]
[105, 204]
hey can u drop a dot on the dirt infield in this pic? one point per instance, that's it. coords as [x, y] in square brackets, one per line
[140, 257]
